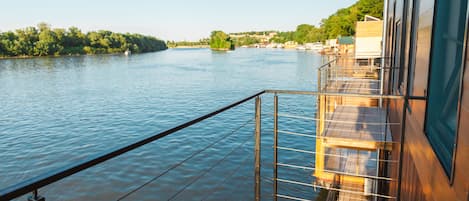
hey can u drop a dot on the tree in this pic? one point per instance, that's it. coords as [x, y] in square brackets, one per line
[26, 40]
[219, 40]
[283, 37]
[74, 38]
[306, 33]
[73, 41]
[42, 26]
[8, 43]
[48, 44]
[343, 21]
[3, 51]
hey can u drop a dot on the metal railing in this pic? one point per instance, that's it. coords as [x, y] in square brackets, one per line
[352, 71]
[278, 181]
[32, 185]
[377, 179]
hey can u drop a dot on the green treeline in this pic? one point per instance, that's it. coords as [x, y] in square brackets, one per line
[201, 42]
[252, 33]
[219, 40]
[44, 41]
[245, 40]
[341, 23]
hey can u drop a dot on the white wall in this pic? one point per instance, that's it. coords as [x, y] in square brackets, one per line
[366, 47]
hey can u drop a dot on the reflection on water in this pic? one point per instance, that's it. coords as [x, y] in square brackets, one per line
[56, 111]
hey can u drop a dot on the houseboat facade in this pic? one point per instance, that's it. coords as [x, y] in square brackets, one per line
[425, 50]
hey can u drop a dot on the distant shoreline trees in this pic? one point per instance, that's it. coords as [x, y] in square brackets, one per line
[341, 23]
[201, 43]
[45, 41]
[220, 41]
[245, 41]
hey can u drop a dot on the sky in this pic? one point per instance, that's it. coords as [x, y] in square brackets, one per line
[168, 19]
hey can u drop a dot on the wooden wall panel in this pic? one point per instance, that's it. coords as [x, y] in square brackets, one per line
[410, 191]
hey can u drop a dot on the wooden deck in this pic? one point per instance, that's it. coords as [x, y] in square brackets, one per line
[350, 161]
[357, 127]
[346, 196]
[353, 85]
[353, 162]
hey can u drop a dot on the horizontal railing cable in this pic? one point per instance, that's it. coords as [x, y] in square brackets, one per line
[185, 160]
[291, 197]
[210, 169]
[336, 121]
[336, 172]
[297, 134]
[334, 137]
[291, 188]
[229, 175]
[333, 155]
[317, 93]
[335, 189]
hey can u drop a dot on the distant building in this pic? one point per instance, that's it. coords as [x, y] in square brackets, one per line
[346, 45]
[368, 38]
[317, 46]
[263, 37]
[331, 46]
[331, 43]
[291, 44]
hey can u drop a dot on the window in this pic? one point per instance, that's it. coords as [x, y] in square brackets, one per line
[445, 79]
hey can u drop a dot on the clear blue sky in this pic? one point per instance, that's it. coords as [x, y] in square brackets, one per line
[169, 19]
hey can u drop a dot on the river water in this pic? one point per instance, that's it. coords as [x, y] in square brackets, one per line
[57, 111]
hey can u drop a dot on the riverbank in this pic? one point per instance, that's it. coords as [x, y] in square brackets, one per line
[69, 55]
[191, 47]
[51, 56]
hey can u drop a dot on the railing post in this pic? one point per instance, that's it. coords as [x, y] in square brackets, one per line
[36, 197]
[275, 146]
[319, 80]
[257, 152]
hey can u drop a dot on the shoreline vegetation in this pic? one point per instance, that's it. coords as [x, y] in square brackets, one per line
[202, 43]
[191, 47]
[340, 23]
[45, 41]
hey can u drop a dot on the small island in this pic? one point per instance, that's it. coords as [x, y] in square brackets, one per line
[220, 41]
[45, 41]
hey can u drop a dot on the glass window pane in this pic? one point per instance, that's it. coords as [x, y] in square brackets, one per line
[443, 93]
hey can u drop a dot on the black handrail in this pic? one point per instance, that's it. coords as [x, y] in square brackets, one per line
[40, 181]
[326, 64]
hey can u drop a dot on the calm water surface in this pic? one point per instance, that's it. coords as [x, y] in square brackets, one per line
[56, 111]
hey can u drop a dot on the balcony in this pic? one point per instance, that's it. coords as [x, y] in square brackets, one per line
[355, 148]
